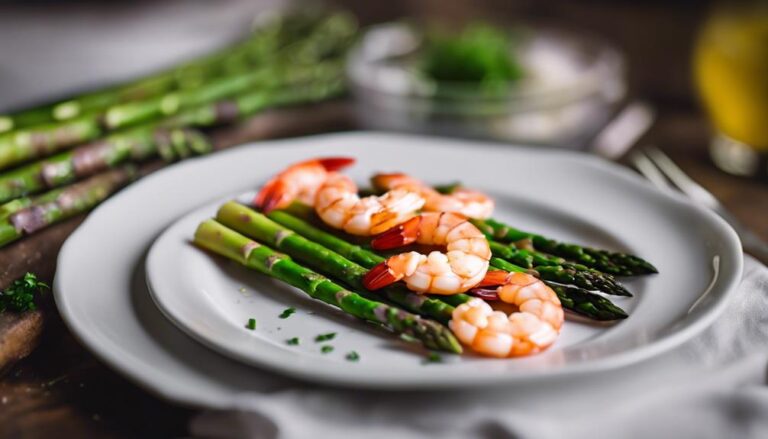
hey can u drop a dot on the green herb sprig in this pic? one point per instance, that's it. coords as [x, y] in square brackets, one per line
[20, 295]
[287, 313]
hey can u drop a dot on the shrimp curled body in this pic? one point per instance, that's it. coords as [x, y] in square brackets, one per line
[470, 203]
[533, 328]
[463, 266]
[335, 199]
[339, 206]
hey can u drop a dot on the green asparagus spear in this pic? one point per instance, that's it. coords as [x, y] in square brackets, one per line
[168, 138]
[574, 298]
[297, 217]
[564, 273]
[24, 217]
[257, 226]
[19, 146]
[268, 37]
[622, 264]
[219, 239]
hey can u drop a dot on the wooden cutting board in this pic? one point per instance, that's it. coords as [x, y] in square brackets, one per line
[20, 333]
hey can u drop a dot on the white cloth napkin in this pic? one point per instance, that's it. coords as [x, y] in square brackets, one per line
[713, 386]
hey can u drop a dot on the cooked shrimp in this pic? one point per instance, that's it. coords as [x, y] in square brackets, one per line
[339, 206]
[299, 181]
[472, 204]
[533, 328]
[462, 267]
[334, 197]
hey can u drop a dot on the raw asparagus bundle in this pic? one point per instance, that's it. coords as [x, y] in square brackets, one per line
[167, 138]
[267, 37]
[25, 216]
[219, 239]
[257, 226]
[615, 263]
[297, 218]
[328, 40]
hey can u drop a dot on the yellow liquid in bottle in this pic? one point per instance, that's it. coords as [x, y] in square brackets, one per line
[731, 67]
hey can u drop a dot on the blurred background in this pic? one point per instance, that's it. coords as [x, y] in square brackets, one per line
[57, 48]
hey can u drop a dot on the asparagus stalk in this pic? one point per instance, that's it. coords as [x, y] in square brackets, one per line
[298, 217]
[257, 226]
[23, 145]
[219, 239]
[268, 37]
[26, 216]
[573, 298]
[168, 138]
[564, 273]
[622, 264]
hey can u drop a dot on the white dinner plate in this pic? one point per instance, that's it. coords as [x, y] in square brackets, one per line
[101, 294]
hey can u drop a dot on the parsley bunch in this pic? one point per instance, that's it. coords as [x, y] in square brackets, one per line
[480, 54]
[20, 295]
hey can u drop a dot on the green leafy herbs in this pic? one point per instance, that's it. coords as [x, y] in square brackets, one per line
[479, 54]
[327, 349]
[325, 337]
[20, 295]
[251, 324]
[287, 312]
[353, 356]
[433, 357]
[292, 341]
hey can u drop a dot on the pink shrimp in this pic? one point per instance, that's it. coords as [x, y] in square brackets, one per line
[472, 204]
[299, 181]
[533, 328]
[335, 199]
[462, 267]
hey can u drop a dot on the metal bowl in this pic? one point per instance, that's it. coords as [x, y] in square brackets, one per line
[572, 85]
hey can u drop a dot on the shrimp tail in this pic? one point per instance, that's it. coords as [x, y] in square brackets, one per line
[379, 277]
[271, 196]
[277, 192]
[494, 278]
[385, 181]
[398, 236]
[332, 164]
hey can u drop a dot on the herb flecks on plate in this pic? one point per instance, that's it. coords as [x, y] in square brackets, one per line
[325, 337]
[433, 357]
[287, 313]
[292, 341]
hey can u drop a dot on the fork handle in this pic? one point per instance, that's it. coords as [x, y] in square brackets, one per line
[750, 241]
[756, 248]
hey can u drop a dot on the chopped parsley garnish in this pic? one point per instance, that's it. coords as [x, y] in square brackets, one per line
[20, 294]
[292, 341]
[287, 312]
[433, 357]
[325, 337]
[251, 324]
[353, 356]
[326, 349]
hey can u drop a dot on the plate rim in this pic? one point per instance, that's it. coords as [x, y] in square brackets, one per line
[96, 342]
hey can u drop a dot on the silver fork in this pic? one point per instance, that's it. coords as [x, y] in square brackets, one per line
[660, 170]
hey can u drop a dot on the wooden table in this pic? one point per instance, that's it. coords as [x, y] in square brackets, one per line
[62, 390]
